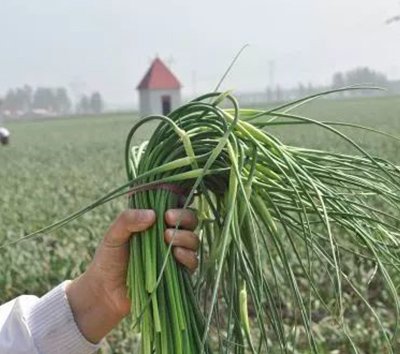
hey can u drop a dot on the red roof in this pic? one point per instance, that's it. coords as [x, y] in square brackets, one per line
[159, 77]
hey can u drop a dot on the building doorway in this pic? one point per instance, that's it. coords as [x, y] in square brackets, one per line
[166, 104]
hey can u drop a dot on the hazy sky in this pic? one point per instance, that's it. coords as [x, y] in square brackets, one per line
[108, 44]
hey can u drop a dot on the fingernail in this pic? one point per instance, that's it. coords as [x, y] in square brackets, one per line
[146, 215]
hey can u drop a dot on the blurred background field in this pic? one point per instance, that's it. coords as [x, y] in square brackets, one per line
[54, 167]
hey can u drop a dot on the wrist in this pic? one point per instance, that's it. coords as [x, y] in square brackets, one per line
[94, 314]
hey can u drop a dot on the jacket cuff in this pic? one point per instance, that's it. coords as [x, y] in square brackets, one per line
[53, 327]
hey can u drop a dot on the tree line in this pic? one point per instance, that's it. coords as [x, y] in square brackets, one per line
[48, 101]
[360, 75]
[357, 76]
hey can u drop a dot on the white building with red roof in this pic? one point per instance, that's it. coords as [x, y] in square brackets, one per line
[159, 90]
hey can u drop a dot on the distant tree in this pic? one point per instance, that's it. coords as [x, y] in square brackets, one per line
[44, 98]
[365, 75]
[23, 98]
[83, 106]
[9, 103]
[361, 75]
[62, 101]
[338, 80]
[17, 100]
[96, 103]
[28, 92]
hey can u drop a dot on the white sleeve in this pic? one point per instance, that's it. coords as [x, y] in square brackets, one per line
[31, 325]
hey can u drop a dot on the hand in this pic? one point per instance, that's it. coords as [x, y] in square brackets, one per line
[98, 298]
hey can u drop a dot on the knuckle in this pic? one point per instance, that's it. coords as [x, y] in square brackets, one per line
[169, 235]
[125, 216]
[196, 240]
[195, 219]
[178, 253]
[195, 260]
[188, 258]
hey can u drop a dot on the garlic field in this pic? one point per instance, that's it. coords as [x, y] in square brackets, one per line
[54, 167]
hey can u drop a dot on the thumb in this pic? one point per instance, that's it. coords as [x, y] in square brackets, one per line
[128, 222]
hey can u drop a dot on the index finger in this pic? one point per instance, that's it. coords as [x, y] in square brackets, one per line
[186, 218]
[128, 222]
